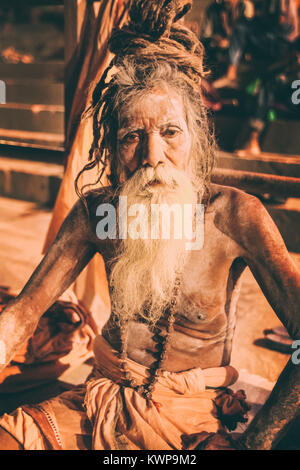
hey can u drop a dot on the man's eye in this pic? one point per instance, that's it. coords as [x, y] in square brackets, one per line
[171, 132]
[131, 138]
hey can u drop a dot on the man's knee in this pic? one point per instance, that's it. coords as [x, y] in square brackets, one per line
[7, 442]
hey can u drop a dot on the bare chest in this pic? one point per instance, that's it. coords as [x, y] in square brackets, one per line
[202, 310]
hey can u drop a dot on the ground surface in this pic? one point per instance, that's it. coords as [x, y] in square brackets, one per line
[23, 226]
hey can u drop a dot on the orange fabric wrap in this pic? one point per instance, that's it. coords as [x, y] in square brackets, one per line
[181, 404]
[103, 414]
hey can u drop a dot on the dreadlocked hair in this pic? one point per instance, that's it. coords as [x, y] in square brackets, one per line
[150, 52]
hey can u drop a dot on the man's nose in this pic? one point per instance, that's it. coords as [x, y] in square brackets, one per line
[153, 152]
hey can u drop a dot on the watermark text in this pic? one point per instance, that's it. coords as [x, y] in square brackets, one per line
[162, 221]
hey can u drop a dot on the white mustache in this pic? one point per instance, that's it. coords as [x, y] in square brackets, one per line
[161, 174]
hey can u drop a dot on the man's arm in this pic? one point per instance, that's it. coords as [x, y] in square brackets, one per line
[69, 254]
[273, 420]
[279, 279]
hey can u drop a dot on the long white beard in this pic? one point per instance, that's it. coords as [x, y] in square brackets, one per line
[144, 271]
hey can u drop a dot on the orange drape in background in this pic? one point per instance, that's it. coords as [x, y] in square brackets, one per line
[91, 286]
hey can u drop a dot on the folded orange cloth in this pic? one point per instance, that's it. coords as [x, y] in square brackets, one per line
[181, 404]
[105, 414]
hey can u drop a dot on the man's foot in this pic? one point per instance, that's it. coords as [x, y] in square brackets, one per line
[278, 330]
[248, 151]
[230, 80]
[280, 343]
[225, 82]
[279, 338]
[251, 148]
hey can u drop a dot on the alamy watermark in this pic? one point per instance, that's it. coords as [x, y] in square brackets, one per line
[296, 93]
[2, 92]
[188, 223]
[296, 354]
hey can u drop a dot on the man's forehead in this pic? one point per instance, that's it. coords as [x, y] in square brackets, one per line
[158, 107]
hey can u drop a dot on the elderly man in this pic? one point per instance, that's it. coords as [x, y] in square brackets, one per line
[162, 364]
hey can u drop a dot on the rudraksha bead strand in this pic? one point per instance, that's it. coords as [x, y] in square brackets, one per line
[163, 341]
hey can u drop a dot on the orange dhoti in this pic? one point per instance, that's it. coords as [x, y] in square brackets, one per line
[104, 414]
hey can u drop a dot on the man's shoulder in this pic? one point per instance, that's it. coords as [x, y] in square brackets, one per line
[236, 213]
[97, 196]
[232, 200]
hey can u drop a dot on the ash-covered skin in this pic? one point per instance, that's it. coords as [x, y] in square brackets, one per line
[238, 232]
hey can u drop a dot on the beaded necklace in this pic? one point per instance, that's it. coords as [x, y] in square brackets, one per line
[162, 346]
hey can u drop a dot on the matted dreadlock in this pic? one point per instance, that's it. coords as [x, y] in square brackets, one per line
[152, 48]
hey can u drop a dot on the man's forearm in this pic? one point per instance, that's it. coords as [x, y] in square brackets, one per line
[17, 325]
[272, 422]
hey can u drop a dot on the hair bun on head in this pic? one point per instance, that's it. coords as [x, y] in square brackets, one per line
[155, 18]
[149, 20]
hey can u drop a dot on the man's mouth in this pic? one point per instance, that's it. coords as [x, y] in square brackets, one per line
[153, 183]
